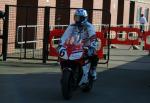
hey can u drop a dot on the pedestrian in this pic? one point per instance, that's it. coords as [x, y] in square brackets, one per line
[142, 21]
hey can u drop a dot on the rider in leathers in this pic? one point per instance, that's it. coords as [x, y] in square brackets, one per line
[86, 32]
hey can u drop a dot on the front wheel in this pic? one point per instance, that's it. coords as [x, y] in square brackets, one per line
[66, 84]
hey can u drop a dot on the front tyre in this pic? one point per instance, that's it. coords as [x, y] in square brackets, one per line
[66, 84]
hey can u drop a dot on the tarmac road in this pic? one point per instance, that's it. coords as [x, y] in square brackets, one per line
[126, 81]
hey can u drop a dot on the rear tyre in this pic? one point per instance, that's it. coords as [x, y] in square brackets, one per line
[66, 84]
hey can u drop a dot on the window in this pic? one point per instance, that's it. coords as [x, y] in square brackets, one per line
[146, 13]
[139, 10]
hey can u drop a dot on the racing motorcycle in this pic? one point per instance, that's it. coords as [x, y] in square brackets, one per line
[72, 57]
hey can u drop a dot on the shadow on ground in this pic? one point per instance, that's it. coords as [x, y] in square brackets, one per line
[128, 83]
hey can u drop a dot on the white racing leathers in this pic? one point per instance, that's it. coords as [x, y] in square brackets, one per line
[87, 35]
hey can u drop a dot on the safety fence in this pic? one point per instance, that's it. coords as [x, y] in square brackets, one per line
[26, 37]
[37, 38]
[125, 35]
[36, 41]
[118, 35]
[146, 38]
[130, 36]
[56, 31]
[23, 42]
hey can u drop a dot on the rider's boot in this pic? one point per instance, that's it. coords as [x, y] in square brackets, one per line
[94, 73]
[84, 79]
[94, 62]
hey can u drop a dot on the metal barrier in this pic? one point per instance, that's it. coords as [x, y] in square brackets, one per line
[22, 41]
[125, 35]
[54, 37]
[118, 35]
[22, 27]
[26, 41]
[146, 38]
[57, 33]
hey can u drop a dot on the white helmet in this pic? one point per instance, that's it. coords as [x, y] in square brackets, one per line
[80, 16]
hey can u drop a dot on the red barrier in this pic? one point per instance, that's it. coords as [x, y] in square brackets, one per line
[58, 33]
[127, 33]
[100, 36]
[146, 38]
[54, 33]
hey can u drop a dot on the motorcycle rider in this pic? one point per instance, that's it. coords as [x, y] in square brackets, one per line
[86, 32]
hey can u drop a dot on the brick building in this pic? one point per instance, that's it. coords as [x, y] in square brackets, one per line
[122, 11]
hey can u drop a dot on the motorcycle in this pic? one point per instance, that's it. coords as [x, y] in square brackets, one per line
[72, 57]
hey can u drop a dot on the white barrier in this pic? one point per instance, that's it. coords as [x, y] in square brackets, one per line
[51, 27]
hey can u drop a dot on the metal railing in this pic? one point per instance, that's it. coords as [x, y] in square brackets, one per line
[52, 27]
[22, 41]
[20, 33]
[22, 27]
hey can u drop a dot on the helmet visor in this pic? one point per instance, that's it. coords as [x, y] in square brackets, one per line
[78, 18]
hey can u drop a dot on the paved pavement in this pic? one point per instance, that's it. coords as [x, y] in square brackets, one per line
[127, 80]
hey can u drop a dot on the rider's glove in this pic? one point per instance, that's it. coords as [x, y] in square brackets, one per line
[91, 51]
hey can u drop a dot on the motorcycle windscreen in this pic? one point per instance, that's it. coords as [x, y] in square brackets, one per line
[76, 55]
[74, 47]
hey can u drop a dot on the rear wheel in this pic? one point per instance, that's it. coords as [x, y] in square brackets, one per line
[66, 84]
